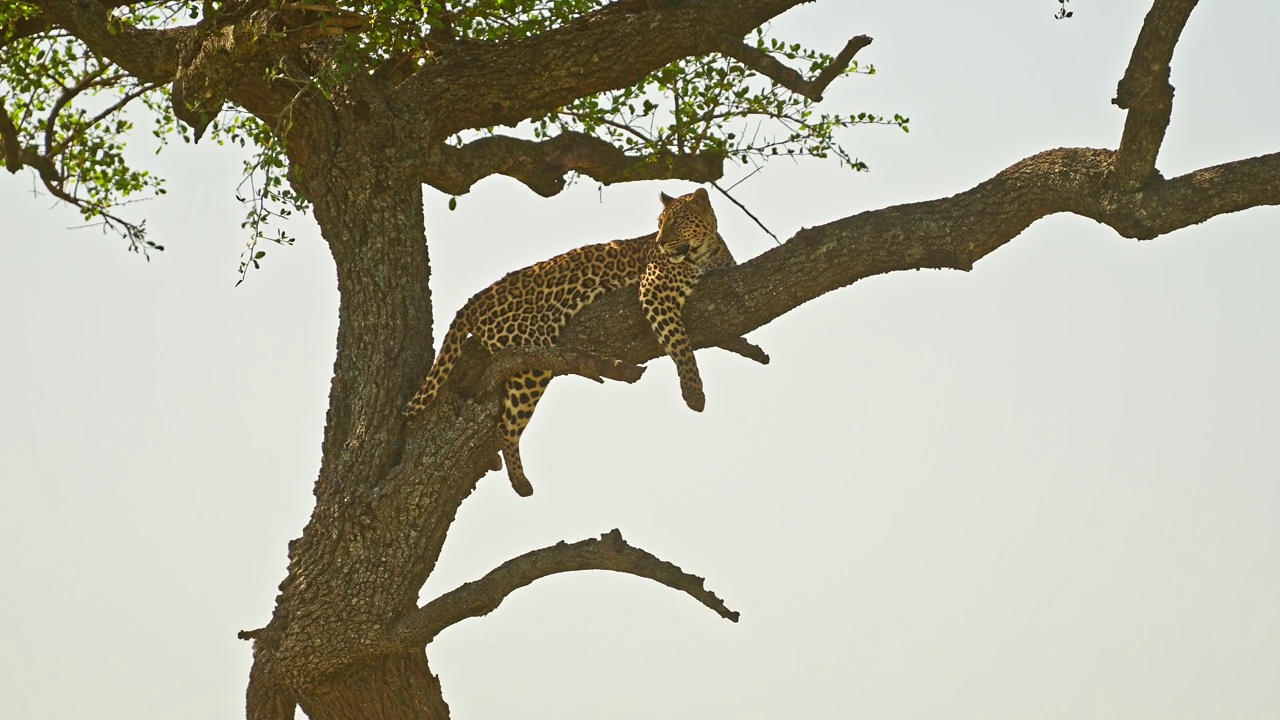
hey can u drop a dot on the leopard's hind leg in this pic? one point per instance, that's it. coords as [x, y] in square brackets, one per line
[524, 390]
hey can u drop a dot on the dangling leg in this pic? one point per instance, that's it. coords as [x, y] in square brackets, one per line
[676, 342]
[678, 347]
[663, 290]
[523, 392]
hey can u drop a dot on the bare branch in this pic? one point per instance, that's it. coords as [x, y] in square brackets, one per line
[772, 68]
[483, 596]
[934, 234]
[1146, 93]
[744, 209]
[745, 348]
[542, 165]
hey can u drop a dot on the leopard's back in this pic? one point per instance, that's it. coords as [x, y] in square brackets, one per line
[530, 306]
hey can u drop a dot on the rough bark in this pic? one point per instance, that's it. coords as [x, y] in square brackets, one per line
[347, 636]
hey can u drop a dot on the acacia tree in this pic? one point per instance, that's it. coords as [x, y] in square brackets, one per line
[363, 103]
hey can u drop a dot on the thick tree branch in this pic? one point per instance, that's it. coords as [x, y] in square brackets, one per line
[1146, 93]
[542, 165]
[741, 346]
[934, 234]
[772, 68]
[237, 46]
[483, 596]
[41, 24]
[150, 55]
[485, 87]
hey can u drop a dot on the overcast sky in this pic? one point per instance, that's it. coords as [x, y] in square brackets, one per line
[1047, 488]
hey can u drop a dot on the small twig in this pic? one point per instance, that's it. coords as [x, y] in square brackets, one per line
[64, 98]
[772, 68]
[745, 210]
[124, 100]
[745, 348]
[748, 177]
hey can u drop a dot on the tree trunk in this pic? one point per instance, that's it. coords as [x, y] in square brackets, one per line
[390, 687]
[378, 526]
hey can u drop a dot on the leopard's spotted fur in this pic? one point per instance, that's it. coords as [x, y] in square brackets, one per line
[530, 306]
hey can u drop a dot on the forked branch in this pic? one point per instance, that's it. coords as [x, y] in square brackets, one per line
[483, 596]
[772, 68]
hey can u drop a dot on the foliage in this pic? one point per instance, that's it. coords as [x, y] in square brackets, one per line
[716, 105]
[66, 110]
[69, 105]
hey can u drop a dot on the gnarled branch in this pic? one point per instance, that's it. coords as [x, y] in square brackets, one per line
[483, 596]
[40, 23]
[542, 165]
[772, 68]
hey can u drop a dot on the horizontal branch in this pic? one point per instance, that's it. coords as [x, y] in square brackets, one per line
[615, 46]
[772, 68]
[483, 596]
[934, 234]
[39, 24]
[543, 164]
[150, 55]
[1146, 93]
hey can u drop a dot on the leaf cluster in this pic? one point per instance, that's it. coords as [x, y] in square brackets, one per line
[716, 105]
[68, 106]
[66, 110]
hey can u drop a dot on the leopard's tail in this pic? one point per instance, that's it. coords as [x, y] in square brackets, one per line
[450, 348]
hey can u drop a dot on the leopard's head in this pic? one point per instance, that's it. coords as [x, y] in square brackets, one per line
[687, 226]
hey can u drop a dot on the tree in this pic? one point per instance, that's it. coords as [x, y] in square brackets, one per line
[367, 390]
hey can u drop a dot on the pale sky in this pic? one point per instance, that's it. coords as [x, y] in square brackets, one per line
[1047, 488]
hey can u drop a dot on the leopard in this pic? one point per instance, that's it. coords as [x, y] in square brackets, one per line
[530, 306]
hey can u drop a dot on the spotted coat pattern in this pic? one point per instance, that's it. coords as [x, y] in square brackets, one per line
[530, 306]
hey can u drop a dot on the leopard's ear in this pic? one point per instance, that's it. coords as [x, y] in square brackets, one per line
[666, 199]
[701, 195]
